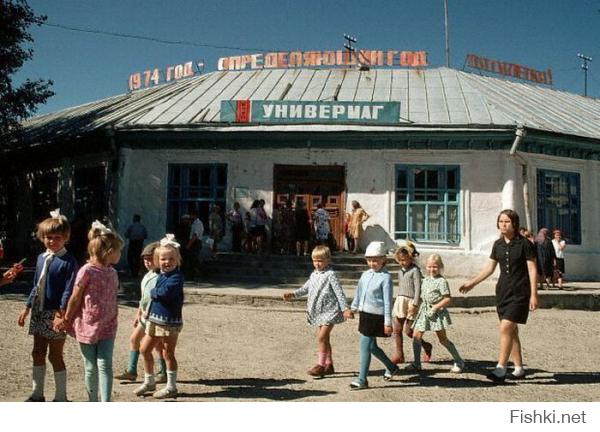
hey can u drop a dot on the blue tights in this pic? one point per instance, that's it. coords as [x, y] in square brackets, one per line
[97, 362]
[368, 345]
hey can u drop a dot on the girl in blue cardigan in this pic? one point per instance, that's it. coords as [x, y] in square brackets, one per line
[373, 299]
[164, 321]
[55, 273]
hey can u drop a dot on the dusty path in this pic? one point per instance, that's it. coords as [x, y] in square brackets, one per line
[237, 353]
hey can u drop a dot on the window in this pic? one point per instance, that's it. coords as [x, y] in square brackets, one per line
[195, 187]
[559, 203]
[89, 192]
[427, 199]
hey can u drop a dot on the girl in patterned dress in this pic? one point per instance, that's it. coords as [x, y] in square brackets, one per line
[326, 306]
[92, 311]
[433, 315]
[52, 286]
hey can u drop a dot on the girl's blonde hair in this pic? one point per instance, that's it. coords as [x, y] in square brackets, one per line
[436, 259]
[103, 242]
[167, 247]
[321, 252]
[53, 225]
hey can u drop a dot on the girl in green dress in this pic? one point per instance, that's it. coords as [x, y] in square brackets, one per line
[433, 315]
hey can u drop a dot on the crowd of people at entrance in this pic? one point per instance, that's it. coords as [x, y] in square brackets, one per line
[81, 301]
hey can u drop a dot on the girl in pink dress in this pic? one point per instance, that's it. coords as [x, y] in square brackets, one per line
[91, 314]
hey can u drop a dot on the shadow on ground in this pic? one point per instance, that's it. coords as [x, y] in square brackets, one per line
[253, 388]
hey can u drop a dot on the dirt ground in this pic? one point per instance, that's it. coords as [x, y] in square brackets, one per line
[245, 353]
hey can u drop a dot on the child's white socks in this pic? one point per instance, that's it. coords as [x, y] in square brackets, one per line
[518, 372]
[171, 380]
[39, 376]
[60, 382]
[149, 380]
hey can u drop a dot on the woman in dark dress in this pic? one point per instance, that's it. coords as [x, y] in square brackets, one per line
[302, 228]
[516, 290]
[546, 258]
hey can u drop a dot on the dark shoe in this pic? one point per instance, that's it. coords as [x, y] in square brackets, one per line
[33, 398]
[355, 385]
[495, 378]
[329, 370]
[317, 371]
[427, 349]
[126, 376]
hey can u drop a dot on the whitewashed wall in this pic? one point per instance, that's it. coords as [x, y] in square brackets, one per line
[490, 181]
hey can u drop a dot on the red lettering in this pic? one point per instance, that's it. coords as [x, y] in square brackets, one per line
[271, 60]
[243, 111]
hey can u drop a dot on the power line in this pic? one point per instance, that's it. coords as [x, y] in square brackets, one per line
[148, 38]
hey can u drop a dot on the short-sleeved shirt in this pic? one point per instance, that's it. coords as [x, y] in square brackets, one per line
[97, 318]
[513, 285]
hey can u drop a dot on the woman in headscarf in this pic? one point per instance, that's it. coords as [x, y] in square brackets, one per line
[546, 258]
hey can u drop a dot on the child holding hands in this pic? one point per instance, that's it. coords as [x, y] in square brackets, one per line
[140, 321]
[52, 286]
[164, 318]
[408, 299]
[433, 315]
[374, 301]
[92, 310]
[326, 306]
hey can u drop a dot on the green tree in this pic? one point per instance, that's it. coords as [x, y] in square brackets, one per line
[17, 103]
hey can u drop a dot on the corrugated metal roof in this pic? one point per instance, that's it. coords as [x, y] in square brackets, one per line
[431, 97]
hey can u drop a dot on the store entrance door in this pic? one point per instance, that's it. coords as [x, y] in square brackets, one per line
[315, 184]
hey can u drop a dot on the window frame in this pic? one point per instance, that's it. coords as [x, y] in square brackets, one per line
[410, 191]
[574, 235]
[185, 200]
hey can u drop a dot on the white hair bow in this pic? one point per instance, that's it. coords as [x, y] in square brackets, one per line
[99, 225]
[169, 240]
[55, 214]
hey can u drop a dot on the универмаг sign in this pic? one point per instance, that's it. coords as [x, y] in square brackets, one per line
[247, 111]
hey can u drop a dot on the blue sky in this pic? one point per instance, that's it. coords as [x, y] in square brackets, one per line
[540, 34]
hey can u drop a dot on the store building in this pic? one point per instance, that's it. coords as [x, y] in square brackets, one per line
[431, 154]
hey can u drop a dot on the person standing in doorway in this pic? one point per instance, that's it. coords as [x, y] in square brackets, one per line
[194, 244]
[516, 291]
[302, 227]
[136, 234]
[546, 259]
[237, 226]
[215, 226]
[321, 222]
[357, 217]
[559, 250]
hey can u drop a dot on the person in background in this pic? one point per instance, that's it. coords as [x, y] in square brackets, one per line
[215, 226]
[546, 259]
[53, 282]
[136, 234]
[357, 217]
[194, 243]
[559, 250]
[321, 223]
[235, 217]
[302, 228]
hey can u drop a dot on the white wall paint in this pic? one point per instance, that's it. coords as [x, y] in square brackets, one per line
[370, 180]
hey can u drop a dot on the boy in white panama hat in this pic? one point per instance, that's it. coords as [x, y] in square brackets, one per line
[373, 300]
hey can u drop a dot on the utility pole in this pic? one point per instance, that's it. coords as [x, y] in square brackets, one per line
[584, 66]
[446, 29]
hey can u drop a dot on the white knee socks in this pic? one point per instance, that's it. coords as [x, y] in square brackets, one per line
[39, 376]
[60, 382]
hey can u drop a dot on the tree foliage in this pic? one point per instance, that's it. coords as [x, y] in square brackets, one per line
[17, 103]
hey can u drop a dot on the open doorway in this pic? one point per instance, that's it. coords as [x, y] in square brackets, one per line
[315, 184]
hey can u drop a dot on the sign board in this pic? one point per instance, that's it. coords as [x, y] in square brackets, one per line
[155, 76]
[296, 59]
[277, 111]
[509, 69]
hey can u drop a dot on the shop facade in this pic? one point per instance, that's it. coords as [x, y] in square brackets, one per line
[459, 153]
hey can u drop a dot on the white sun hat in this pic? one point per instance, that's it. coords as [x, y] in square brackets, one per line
[376, 249]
